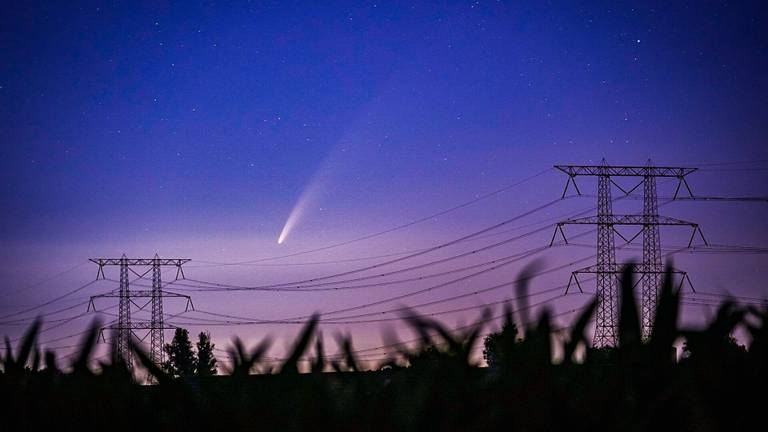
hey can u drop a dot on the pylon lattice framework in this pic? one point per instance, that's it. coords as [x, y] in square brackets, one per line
[606, 269]
[125, 328]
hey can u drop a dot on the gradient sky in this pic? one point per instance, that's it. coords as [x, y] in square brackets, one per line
[195, 130]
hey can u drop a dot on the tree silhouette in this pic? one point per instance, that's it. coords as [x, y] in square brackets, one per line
[496, 344]
[181, 359]
[206, 362]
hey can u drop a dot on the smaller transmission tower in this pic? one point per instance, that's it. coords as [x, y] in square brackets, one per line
[125, 328]
[606, 270]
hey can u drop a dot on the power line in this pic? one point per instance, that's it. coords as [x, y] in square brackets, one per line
[742, 162]
[302, 283]
[30, 319]
[393, 229]
[725, 198]
[354, 319]
[413, 255]
[317, 287]
[353, 287]
[65, 295]
[47, 279]
[406, 252]
[411, 294]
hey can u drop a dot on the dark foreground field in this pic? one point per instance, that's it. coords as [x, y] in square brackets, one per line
[636, 386]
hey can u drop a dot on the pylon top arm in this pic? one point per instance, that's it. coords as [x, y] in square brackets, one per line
[140, 261]
[624, 170]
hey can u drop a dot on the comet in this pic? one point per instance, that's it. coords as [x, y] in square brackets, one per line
[296, 213]
[306, 199]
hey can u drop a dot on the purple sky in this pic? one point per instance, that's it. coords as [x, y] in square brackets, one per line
[195, 131]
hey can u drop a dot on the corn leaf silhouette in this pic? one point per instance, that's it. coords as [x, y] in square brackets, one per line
[578, 334]
[629, 321]
[291, 364]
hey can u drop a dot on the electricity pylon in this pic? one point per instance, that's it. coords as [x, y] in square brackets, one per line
[606, 268]
[125, 328]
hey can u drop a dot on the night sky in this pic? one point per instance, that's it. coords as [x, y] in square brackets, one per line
[198, 131]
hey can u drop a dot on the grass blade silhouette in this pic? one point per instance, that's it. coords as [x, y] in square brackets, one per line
[291, 364]
[87, 345]
[578, 333]
[665, 329]
[629, 321]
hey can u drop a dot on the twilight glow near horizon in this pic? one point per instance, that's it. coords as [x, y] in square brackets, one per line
[242, 135]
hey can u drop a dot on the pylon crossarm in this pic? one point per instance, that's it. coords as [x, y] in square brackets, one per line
[625, 170]
[141, 294]
[172, 294]
[619, 268]
[141, 261]
[631, 219]
[140, 325]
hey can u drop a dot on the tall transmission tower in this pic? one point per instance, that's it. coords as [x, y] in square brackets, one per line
[606, 269]
[125, 328]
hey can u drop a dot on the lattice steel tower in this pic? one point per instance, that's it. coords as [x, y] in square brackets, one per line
[125, 327]
[606, 269]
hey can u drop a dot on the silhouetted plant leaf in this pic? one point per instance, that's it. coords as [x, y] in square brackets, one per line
[578, 330]
[473, 335]
[345, 342]
[50, 361]
[665, 330]
[27, 343]
[8, 358]
[36, 358]
[87, 345]
[319, 364]
[291, 364]
[521, 291]
[244, 361]
[629, 321]
[154, 369]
